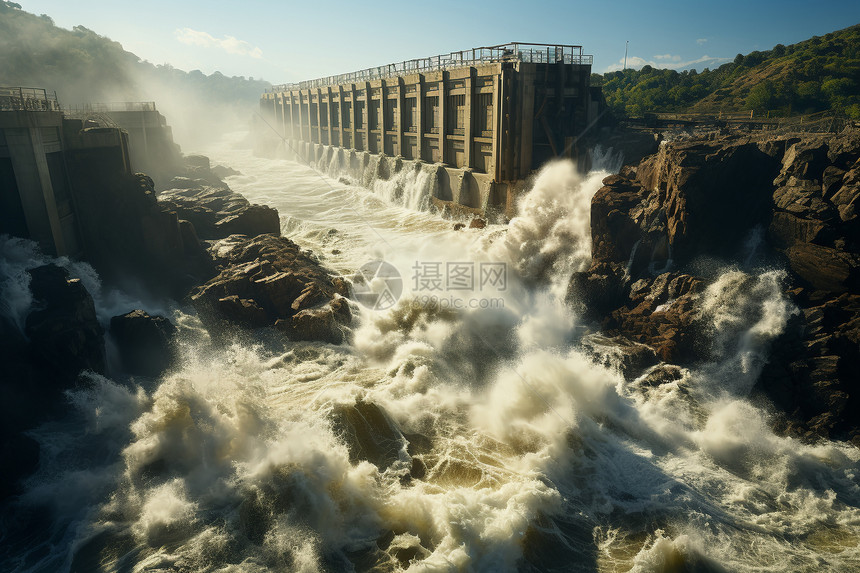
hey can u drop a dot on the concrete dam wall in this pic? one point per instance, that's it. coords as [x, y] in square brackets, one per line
[476, 122]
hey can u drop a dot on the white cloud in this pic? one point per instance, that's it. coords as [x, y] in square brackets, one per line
[701, 41]
[672, 62]
[229, 44]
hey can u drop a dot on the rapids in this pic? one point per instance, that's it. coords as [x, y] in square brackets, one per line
[502, 445]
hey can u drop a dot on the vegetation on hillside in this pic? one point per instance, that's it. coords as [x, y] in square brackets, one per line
[819, 74]
[85, 67]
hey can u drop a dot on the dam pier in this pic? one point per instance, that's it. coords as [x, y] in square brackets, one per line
[480, 120]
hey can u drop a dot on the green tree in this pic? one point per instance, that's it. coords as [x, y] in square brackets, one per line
[761, 97]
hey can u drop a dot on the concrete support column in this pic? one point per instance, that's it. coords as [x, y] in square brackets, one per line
[33, 178]
[301, 117]
[470, 121]
[352, 115]
[443, 118]
[330, 114]
[497, 126]
[310, 136]
[283, 115]
[419, 101]
[383, 112]
[401, 103]
[319, 116]
[292, 118]
[507, 136]
[525, 120]
[340, 105]
[367, 101]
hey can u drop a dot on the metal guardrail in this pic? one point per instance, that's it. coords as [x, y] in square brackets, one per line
[513, 52]
[820, 122]
[114, 106]
[28, 99]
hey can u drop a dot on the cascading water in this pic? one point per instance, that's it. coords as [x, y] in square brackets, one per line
[499, 445]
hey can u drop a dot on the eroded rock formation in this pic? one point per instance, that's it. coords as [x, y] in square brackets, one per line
[660, 231]
[269, 281]
[145, 342]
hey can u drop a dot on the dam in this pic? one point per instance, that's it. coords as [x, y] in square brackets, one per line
[480, 120]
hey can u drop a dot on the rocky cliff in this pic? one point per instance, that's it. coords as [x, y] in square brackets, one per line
[661, 229]
[198, 238]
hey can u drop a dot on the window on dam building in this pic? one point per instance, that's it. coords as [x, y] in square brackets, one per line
[345, 116]
[410, 114]
[391, 115]
[359, 114]
[335, 114]
[457, 115]
[431, 115]
[373, 115]
[485, 114]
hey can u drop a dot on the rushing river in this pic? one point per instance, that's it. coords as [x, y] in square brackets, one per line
[491, 441]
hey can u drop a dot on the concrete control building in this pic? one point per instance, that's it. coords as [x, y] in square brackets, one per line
[488, 116]
[51, 164]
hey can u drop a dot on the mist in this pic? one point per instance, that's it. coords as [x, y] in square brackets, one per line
[84, 67]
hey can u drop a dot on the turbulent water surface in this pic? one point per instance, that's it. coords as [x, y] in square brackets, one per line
[461, 429]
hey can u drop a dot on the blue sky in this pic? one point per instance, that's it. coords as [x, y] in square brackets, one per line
[287, 41]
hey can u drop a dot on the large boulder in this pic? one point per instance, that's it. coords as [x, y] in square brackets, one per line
[64, 331]
[145, 342]
[217, 212]
[370, 434]
[713, 196]
[266, 280]
[707, 195]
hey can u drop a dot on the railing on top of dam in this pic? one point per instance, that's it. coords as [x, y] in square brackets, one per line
[513, 52]
[28, 99]
[113, 106]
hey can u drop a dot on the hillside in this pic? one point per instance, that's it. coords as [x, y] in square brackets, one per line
[83, 66]
[819, 74]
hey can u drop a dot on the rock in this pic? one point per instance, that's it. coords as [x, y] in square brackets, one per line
[370, 435]
[20, 454]
[252, 221]
[662, 374]
[181, 183]
[197, 165]
[218, 212]
[145, 342]
[806, 159]
[64, 332]
[613, 230]
[127, 233]
[220, 171]
[323, 323]
[459, 226]
[242, 311]
[269, 281]
[825, 268]
[689, 200]
[61, 337]
[626, 356]
[477, 223]
[831, 180]
[787, 229]
[697, 199]
[597, 291]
